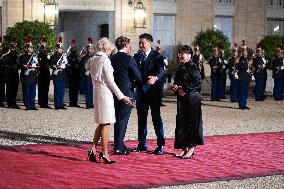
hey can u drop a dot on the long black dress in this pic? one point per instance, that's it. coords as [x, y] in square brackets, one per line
[189, 126]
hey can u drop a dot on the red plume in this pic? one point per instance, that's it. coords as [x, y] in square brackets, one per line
[90, 40]
[243, 42]
[159, 42]
[29, 39]
[14, 40]
[73, 42]
[59, 39]
[235, 45]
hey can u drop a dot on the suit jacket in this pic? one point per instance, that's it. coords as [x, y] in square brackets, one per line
[154, 66]
[126, 73]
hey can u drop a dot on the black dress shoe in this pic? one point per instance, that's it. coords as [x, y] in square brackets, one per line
[247, 108]
[121, 152]
[159, 150]
[63, 108]
[161, 104]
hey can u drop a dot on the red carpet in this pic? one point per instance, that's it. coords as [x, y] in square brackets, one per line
[65, 166]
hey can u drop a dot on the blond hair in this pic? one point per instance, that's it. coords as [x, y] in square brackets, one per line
[104, 44]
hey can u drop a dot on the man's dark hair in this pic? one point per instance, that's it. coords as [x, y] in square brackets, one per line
[185, 49]
[121, 42]
[146, 36]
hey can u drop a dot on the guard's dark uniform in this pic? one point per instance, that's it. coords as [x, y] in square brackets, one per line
[59, 77]
[196, 60]
[223, 77]
[10, 62]
[278, 75]
[74, 78]
[243, 84]
[2, 82]
[29, 80]
[260, 74]
[215, 66]
[87, 81]
[234, 81]
[43, 78]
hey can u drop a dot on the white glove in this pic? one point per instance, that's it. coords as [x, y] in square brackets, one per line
[34, 65]
[252, 78]
[87, 73]
[282, 68]
[62, 66]
[264, 61]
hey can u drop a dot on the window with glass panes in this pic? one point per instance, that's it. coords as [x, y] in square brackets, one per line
[163, 30]
[275, 27]
[224, 24]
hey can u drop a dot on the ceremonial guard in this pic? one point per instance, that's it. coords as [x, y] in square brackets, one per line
[260, 74]
[2, 81]
[28, 65]
[59, 62]
[86, 77]
[223, 73]
[244, 70]
[163, 79]
[11, 65]
[198, 60]
[74, 75]
[215, 66]
[233, 74]
[44, 75]
[278, 73]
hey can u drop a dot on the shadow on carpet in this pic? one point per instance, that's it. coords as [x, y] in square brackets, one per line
[65, 166]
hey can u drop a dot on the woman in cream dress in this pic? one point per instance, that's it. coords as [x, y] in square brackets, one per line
[104, 87]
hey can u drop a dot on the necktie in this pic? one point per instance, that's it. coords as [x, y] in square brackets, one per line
[143, 59]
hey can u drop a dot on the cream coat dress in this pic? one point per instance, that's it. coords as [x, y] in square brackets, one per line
[103, 87]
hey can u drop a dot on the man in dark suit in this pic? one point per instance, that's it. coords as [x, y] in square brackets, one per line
[126, 74]
[151, 65]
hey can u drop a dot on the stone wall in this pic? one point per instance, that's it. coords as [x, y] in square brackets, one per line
[250, 21]
[192, 17]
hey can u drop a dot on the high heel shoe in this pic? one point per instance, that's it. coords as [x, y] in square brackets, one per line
[189, 157]
[106, 161]
[92, 157]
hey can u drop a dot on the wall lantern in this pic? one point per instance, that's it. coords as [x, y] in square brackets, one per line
[139, 13]
[50, 12]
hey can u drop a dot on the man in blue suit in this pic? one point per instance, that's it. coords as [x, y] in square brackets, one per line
[126, 75]
[151, 65]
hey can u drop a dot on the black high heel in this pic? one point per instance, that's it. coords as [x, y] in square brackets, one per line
[106, 161]
[191, 156]
[92, 157]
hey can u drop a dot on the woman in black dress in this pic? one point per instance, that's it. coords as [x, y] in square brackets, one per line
[189, 129]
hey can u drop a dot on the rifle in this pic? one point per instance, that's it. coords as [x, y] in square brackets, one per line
[4, 55]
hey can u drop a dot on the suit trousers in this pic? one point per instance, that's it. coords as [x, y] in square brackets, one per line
[12, 87]
[243, 88]
[59, 87]
[122, 114]
[234, 93]
[2, 88]
[142, 112]
[215, 85]
[29, 94]
[88, 85]
[278, 88]
[259, 88]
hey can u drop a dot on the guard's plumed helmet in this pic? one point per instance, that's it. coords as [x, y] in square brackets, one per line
[90, 43]
[59, 43]
[29, 43]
